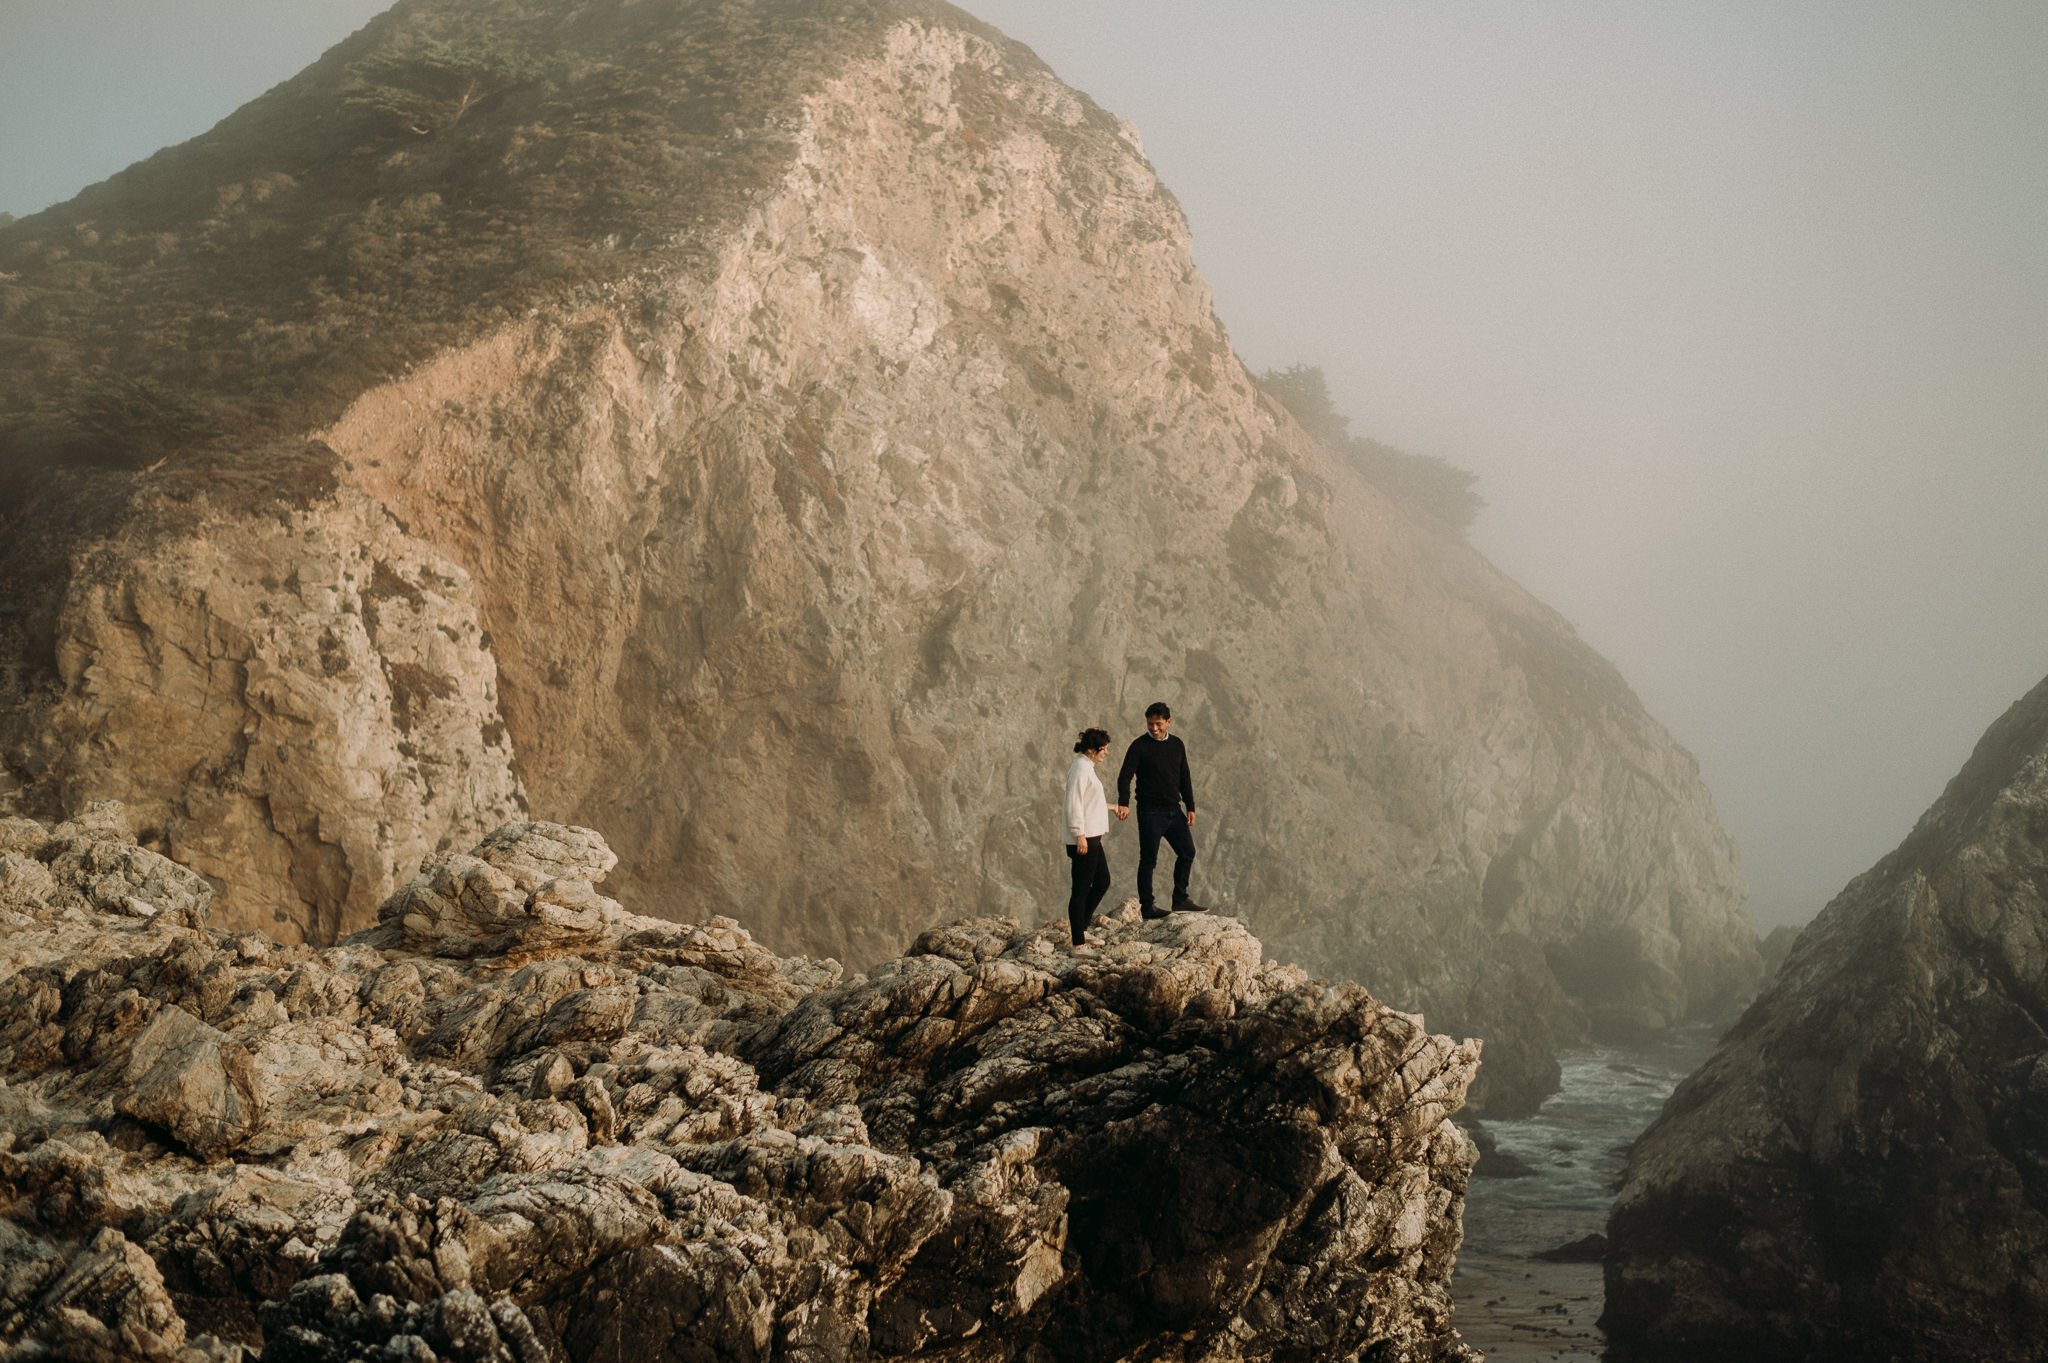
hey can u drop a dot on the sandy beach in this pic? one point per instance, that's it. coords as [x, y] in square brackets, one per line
[1528, 1311]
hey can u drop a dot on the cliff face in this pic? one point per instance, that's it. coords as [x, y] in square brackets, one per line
[1862, 1169]
[810, 417]
[515, 1123]
[304, 703]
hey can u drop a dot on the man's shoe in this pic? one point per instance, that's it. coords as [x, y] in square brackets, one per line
[1189, 906]
[1150, 911]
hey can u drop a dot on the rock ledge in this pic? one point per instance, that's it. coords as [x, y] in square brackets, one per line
[514, 1122]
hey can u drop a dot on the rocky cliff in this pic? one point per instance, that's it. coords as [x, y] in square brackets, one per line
[1861, 1170]
[767, 432]
[514, 1123]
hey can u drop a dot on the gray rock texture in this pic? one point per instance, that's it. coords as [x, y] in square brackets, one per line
[513, 1122]
[801, 420]
[1861, 1170]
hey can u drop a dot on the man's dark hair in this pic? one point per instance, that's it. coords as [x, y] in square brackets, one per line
[1159, 709]
[1091, 739]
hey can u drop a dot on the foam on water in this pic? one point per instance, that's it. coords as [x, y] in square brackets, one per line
[1517, 1307]
[1576, 1144]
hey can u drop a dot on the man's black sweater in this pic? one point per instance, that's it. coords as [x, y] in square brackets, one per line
[1161, 766]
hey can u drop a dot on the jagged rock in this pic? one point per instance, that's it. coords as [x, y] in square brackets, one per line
[1776, 948]
[528, 886]
[783, 470]
[1495, 1162]
[1587, 1249]
[22, 837]
[480, 1138]
[1861, 1169]
[102, 1303]
[104, 820]
[93, 864]
[192, 1081]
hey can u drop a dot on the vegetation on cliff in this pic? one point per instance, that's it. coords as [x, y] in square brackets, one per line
[1425, 483]
[174, 330]
[435, 174]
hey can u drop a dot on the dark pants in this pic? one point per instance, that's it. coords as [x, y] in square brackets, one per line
[1155, 823]
[1091, 882]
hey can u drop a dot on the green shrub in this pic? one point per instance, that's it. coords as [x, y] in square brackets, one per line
[433, 85]
[1302, 390]
[1435, 487]
[117, 420]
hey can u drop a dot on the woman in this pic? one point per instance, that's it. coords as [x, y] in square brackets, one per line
[1087, 825]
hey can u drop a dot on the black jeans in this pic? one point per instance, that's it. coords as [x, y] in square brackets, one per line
[1091, 882]
[1154, 823]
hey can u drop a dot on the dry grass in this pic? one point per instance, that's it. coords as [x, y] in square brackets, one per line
[171, 334]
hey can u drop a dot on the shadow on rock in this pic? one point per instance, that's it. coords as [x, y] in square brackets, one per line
[514, 1122]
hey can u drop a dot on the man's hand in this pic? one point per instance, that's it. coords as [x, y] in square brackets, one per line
[1122, 812]
[1191, 818]
[1081, 845]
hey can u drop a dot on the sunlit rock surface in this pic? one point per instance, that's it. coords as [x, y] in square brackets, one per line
[768, 433]
[1861, 1171]
[515, 1122]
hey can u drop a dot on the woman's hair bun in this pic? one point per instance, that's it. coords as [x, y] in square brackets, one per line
[1091, 739]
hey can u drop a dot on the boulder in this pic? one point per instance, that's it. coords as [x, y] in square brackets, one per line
[1861, 1168]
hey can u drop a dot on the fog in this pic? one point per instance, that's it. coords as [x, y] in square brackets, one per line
[1739, 312]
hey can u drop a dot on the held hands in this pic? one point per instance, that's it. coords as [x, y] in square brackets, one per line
[1123, 812]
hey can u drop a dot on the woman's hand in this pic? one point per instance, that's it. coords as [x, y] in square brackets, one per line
[1081, 845]
[1122, 812]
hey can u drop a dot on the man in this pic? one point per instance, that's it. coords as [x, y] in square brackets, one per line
[1159, 761]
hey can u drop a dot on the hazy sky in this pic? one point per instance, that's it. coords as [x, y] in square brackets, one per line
[1739, 311]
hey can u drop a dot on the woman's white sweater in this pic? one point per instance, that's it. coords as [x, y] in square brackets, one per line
[1087, 810]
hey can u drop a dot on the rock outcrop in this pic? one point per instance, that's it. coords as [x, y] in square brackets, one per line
[303, 704]
[515, 1122]
[1861, 1170]
[767, 433]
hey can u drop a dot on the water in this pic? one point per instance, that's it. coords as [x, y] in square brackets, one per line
[1518, 1308]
